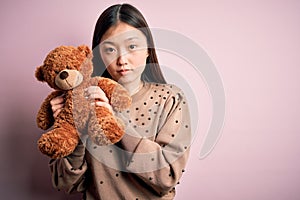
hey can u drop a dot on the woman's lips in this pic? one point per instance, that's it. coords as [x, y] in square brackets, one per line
[124, 71]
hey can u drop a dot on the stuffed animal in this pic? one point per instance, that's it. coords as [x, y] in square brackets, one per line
[68, 71]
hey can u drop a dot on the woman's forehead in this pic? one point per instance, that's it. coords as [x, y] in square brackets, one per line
[122, 32]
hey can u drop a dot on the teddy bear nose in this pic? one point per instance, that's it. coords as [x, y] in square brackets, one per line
[63, 75]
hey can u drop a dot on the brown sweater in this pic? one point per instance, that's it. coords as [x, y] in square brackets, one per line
[146, 164]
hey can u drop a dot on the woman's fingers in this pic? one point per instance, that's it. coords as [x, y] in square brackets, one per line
[57, 100]
[56, 107]
[57, 104]
[92, 92]
[95, 92]
[56, 112]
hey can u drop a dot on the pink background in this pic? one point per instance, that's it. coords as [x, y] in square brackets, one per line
[255, 46]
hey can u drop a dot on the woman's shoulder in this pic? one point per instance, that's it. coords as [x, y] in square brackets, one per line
[156, 91]
[167, 88]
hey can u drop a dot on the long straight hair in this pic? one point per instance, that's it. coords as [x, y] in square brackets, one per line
[132, 16]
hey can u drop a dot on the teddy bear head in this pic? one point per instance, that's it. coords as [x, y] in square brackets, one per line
[66, 67]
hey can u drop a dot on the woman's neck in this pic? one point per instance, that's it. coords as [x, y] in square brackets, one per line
[133, 87]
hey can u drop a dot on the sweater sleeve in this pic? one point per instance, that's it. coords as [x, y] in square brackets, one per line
[160, 163]
[68, 173]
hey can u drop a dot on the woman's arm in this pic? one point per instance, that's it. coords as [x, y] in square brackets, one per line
[68, 173]
[161, 163]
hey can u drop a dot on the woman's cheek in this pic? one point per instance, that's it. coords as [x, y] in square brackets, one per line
[140, 58]
[107, 60]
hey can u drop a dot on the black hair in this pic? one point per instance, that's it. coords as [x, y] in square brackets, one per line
[132, 16]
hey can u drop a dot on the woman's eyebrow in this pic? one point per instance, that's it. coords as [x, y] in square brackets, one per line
[127, 39]
[107, 42]
[132, 38]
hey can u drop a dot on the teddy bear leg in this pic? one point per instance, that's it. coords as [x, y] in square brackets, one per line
[58, 142]
[104, 128]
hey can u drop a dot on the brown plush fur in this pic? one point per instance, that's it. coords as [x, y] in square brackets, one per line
[68, 70]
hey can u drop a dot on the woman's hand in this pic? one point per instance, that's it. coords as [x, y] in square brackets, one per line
[92, 92]
[96, 93]
[57, 104]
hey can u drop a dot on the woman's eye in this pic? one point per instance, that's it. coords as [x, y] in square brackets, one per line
[132, 46]
[109, 50]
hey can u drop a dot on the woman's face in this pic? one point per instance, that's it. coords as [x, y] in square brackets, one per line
[123, 50]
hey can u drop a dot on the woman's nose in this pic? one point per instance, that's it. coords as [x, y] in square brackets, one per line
[122, 59]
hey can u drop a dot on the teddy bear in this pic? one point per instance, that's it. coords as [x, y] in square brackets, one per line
[68, 70]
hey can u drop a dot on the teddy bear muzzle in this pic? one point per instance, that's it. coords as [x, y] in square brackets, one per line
[68, 79]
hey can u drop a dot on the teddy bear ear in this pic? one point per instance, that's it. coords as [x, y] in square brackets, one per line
[85, 48]
[39, 73]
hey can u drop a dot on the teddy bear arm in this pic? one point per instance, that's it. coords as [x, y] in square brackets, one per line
[45, 117]
[118, 96]
[104, 128]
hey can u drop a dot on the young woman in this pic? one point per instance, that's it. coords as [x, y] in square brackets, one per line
[150, 159]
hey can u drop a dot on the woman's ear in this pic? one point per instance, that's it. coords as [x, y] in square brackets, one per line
[39, 73]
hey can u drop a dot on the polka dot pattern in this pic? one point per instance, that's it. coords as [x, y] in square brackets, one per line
[157, 115]
[144, 114]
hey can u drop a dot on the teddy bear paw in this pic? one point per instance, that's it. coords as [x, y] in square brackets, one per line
[57, 144]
